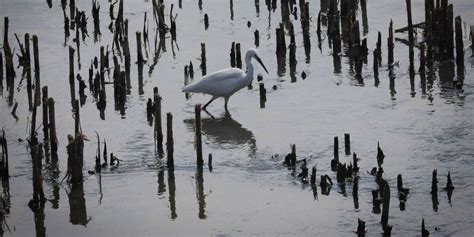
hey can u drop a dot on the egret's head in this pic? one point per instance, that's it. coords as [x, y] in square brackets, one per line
[253, 53]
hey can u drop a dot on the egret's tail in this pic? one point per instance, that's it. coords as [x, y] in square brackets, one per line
[188, 88]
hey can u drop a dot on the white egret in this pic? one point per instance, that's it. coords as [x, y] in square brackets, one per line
[226, 82]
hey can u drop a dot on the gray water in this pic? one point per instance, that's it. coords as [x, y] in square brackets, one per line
[249, 192]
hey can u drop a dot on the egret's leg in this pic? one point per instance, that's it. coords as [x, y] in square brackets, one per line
[212, 99]
[226, 100]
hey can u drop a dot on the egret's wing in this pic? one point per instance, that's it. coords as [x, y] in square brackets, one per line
[217, 83]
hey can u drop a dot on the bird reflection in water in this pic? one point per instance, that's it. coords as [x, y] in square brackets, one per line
[225, 132]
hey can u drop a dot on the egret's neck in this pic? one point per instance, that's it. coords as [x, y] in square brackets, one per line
[249, 73]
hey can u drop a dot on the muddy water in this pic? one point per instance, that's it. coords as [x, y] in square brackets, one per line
[249, 192]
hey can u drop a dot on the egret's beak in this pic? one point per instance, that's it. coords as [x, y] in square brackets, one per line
[261, 63]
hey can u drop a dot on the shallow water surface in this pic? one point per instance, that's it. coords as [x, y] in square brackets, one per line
[249, 191]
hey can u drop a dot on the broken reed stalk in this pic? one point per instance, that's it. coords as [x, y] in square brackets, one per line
[354, 163]
[203, 59]
[4, 168]
[10, 70]
[238, 56]
[459, 41]
[386, 203]
[198, 135]
[434, 183]
[33, 138]
[76, 150]
[313, 177]
[379, 49]
[71, 75]
[209, 162]
[95, 16]
[257, 38]
[449, 32]
[206, 21]
[72, 12]
[45, 112]
[126, 51]
[347, 144]
[390, 45]
[37, 156]
[37, 70]
[158, 128]
[281, 42]
[97, 157]
[139, 48]
[1, 70]
[77, 119]
[52, 126]
[169, 141]
[293, 155]
[376, 69]
[422, 70]
[263, 91]
[232, 55]
[410, 22]
[28, 71]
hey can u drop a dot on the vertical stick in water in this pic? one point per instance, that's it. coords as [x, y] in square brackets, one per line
[72, 12]
[169, 141]
[198, 141]
[4, 169]
[77, 119]
[257, 38]
[459, 41]
[126, 50]
[203, 59]
[158, 131]
[36, 155]
[238, 56]
[450, 32]
[28, 71]
[410, 22]
[140, 63]
[376, 69]
[1, 71]
[37, 70]
[71, 75]
[209, 162]
[422, 70]
[232, 55]
[347, 143]
[390, 45]
[10, 70]
[206, 21]
[45, 113]
[379, 48]
[52, 126]
[386, 203]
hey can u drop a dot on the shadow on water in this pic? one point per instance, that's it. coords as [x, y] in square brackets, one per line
[171, 190]
[77, 206]
[39, 220]
[355, 192]
[225, 131]
[172, 194]
[161, 182]
[450, 84]
[201, 197]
